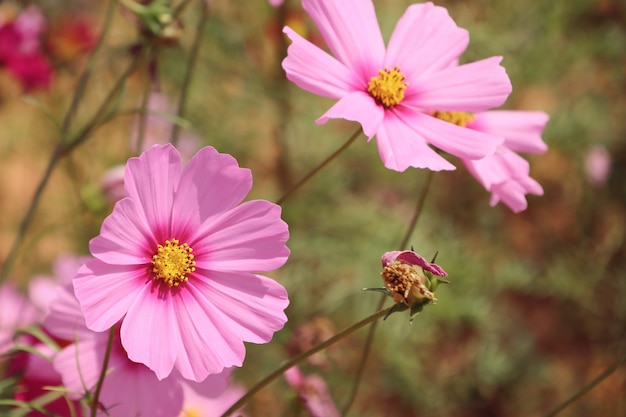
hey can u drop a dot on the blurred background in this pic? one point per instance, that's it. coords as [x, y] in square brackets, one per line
[536, 307]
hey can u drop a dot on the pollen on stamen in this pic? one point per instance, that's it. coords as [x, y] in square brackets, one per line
[388, 87]
[404, 282]
[173, 262]
[459, 118]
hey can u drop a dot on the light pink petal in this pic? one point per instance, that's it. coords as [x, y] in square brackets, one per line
[15, 313]
[458, 141]
[125, 237]
[434, 40]
[250, 237]
[250, 306]
[202, 405]
[150, 332]
[351, 32]
[473, 87]
[79, 365]
[313, 70]
[150, 181]
[41, 292]
[401, 147]
[207, 175]
[512, 194]
[360, 107]
[66, 320]
[521, 130]
[106, 292]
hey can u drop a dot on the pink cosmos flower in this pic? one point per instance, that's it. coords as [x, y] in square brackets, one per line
[177, 259]
[597, 165]
[200, 403]
[312, 392]
[16, 313]
[506, 174]
[387, 91]
[129, 388]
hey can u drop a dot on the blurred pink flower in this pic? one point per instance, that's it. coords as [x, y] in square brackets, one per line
[386, 91]
[506, 174]
[16, 313]
[181, 310]
[112, 184]
[202, 403]
[312, 392]
[597, 165]
[276, 3]
[20, 49]
[129, 389]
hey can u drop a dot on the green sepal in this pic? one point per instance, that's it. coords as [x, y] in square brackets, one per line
[383, 290]
[397, 308]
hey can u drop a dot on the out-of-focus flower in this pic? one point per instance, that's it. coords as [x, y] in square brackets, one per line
[20, 49]
[309, 334]
[276, 3]
[200, 403]
[177, 262]
[129, 388]
[405, 276]
[112, 184]
[312, 392]
[505, 174]
[16, 313]
[597, 165]
[71, 37]
[386, 90]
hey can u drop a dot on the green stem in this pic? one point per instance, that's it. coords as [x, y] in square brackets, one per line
[372, 330]
[103, 373]
[608, 371]
[298, 359]
[320, 166]
[191, 64]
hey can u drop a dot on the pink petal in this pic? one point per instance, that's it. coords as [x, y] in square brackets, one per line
[79, 365]
[315, 71]
[66, 320]
[512, 194]
[458, 141]
[425, 39]
[351, 32]
[251, 306]
[360, 107]
[473, 87]
[412, 258]
[400, 147]
[521, 129]
[207, 175]
[150, 181]
[250, 237]
[150, 332]
[106, 292]
[125, 237]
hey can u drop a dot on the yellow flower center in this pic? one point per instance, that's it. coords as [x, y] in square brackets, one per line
[388, 87]
[459, 118]
[173, 262]
[406, 283]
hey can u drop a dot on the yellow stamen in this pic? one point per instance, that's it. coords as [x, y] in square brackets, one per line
[405, 283]
[459, 118]
[173, 262]
[388, 87]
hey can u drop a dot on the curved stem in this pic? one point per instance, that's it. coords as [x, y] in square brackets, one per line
[608, 371]
[278, 372]
[319, 167]
[103, 372]
[372, 330]
[191, 64]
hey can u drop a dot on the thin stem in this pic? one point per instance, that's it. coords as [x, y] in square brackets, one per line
[191, 64]
[103, 372]
[608, 371]
[143, 117]
[320, 166]
[278, 372]
[372, 330]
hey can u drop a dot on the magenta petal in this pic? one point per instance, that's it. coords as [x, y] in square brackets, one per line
[400, 147]
[208, 174]
[251, 306]
[521, 129]
[390, 257]
[315, 71]
[250, 237]
[125, 237]
[458, 141]
[106, 292]
[150, 332]
[473, 87]
[435, 40]
[351, 32]
[412, 258]
[150, 181]
[357, 106]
